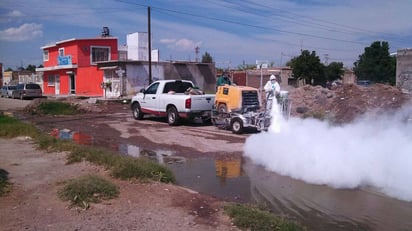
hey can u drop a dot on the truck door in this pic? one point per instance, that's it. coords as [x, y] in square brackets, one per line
[149, 102]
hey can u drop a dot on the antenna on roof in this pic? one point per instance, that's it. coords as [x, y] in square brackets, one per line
[105, 32]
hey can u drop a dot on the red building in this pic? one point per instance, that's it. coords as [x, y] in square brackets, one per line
[70, 66]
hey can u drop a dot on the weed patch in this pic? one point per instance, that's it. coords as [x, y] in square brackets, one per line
[57, 108]
[85, 189]
[122, 167]
[252, 218]
[142, 168]
[5, 186]
[11, 127]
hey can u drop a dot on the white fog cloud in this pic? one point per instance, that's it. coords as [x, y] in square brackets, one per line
[25, 32]
[371, 152]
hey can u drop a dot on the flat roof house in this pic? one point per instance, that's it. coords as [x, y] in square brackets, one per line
[70, 66]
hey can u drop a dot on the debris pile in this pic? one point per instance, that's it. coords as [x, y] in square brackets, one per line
[345, 103]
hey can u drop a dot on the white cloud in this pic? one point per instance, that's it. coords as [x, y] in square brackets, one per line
[183, 44]
[15, 13]
[167, 41]
[25, 32]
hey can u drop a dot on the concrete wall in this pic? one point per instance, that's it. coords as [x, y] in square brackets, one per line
[252, 78]
[404, 70]
[137, 74]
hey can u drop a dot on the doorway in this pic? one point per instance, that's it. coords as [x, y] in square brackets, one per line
[57, 85]
[72, 84]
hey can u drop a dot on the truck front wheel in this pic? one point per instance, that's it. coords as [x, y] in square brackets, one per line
[137, 111]
[237, 126]
[172, 116]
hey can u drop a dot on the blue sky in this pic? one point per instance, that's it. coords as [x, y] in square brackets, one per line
[231, 31]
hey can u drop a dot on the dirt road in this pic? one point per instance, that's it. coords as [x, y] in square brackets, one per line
[33, 203]
[36, 176]
[112, 125]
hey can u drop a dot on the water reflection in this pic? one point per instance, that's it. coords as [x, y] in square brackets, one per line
[160, 155]
[325, 208]
[228, 168]
[77, 137]
[317, 207]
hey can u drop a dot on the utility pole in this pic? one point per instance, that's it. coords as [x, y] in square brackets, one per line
[150, 44]
[197, 53]
[326, 59]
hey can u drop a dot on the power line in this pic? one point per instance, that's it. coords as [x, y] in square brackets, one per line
[247, 25]
[299, 19]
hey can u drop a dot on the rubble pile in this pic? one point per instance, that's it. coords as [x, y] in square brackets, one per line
[345, 103]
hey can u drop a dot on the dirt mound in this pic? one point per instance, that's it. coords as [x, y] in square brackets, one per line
[84, 105]
[344, 103]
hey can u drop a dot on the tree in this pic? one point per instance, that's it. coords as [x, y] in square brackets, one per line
[207, 58]
[376, 64]
[333, 71]
[31, 68]
[307, 66]
[246, 66]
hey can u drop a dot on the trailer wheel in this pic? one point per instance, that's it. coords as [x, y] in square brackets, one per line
[137, 111]
[237, 126]
[172, 116]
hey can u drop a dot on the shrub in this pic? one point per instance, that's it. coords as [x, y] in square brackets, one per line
[142, 168]
[4, 182]
[11, 127]
[57, 108]
[85, 189]
[252, 218]
[122, 167]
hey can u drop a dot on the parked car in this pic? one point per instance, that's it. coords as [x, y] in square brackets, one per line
[10, 90]
[27, 90]
[4, 91]
[7, 91]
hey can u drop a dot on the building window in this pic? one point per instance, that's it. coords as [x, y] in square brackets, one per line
[51, 80]
[100, 54]
[45, 55]
[61, 52]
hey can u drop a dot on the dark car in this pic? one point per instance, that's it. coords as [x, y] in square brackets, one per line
[27, 90]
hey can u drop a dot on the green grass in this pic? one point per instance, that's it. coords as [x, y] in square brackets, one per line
[123, 167]
[11, 127]
[85, 189]
[5, 186]
[57, 108]
[254, 219]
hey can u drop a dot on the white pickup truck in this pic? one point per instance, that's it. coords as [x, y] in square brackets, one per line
[172, 99]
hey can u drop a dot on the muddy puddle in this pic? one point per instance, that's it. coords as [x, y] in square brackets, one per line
[315, 206]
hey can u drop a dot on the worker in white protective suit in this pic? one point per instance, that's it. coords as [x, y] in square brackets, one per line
[272, 89]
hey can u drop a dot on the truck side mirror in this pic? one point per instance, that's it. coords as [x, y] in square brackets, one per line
[142, 90]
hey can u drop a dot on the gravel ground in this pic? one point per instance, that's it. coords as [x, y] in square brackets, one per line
[37, 176]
